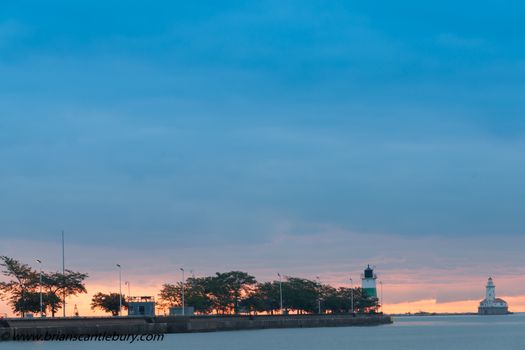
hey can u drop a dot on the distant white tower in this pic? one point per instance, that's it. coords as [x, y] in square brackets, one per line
[492, 305]
[490, 293]
[368, 282]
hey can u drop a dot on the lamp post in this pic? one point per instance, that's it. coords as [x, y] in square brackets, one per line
[381, 290]
[319, 296]
[280, 292]
[352, 295]
[129, 288]
[183, 305]
[120, 289]
[63, 275]
[41, 303]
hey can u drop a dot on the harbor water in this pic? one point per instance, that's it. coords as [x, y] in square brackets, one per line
[425, 332]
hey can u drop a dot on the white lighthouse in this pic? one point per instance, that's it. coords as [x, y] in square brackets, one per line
[490, 292]
[492, 305]
[368, 282]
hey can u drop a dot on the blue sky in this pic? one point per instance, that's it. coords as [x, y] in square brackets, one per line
[209, 124]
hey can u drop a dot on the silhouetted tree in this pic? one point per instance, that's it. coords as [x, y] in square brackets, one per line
[301, 294]
[231, 291]
[265, 298]
[17, 291]
[58, 285]
[232, 286]
[196, 294]
[108, 302]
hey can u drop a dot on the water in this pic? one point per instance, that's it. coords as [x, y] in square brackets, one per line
[428, 333]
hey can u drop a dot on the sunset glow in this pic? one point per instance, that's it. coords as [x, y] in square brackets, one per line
[147, 141]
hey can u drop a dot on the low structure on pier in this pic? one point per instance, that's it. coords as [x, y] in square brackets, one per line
[141, 306]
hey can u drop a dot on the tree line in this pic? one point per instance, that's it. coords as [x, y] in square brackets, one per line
[237, 292]
[22, 292]
[231, 292]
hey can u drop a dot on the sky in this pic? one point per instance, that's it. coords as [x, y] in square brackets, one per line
[305, 137]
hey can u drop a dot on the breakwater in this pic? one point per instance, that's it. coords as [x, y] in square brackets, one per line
[82, 326]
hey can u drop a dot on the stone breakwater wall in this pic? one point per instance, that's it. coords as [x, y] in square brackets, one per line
[232, 323]
[99, 326]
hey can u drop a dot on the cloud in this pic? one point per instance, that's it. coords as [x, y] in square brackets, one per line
[444, 270]
[267, 126]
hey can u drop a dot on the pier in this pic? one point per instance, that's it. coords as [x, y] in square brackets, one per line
[94, 326]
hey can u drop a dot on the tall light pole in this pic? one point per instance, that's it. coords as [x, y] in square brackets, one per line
[280, 292]
[120, 289]
[381, 290]
[183, 305]
[352, 295]
[63, 276]
[41, 303]
[129, 288]
[319, 296]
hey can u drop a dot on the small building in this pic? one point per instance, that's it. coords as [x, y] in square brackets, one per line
[177, 311]
[141, 306]
[492, 305]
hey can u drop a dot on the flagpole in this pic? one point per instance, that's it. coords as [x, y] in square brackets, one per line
[63, 277]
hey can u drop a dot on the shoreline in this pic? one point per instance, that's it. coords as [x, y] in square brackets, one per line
[429, 314]
[10, 329]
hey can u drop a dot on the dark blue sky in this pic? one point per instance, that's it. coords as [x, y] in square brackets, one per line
[304, 137]
[197, 123]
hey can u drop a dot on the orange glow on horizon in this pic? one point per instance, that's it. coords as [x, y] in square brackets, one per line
[516, 304]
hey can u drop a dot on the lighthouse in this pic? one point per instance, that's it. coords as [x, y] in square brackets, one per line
[492, 305]
[368, 282]
[490, 290]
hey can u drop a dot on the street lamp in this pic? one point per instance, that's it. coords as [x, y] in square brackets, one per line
[120, 289]
[41, 303]
[129, 288]
[352, 295]
[183, 306]
[319, 296]
[381, 289]
[63, 275]
[280, 292]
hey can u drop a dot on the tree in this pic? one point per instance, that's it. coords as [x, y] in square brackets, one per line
[340, 300]
[301, 294]
[17, 292]
[218, 294]
[264, 298]
[196, 293]
[232, 286]
[329, 298]
[230, 291]
[170, 295]
[222, 292]
[108, 302]
[58, 286]
[28, 302]
[364, 303]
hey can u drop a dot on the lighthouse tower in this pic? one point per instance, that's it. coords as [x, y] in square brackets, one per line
[490, 293]
[492, 305]
[368, 282]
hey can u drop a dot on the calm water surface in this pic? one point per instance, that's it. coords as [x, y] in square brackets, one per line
[428, 333]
